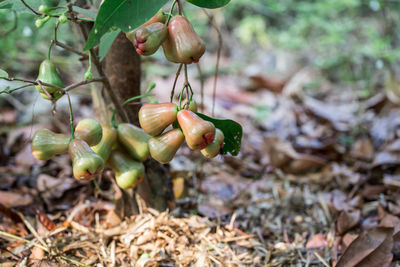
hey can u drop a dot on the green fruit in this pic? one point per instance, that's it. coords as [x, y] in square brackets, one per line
[192, 105]
[154, 118]
[48, 73]
[89, 130]
[46, 144]
[183, 45]
[149, 38]
[198, 132]
[213, 149]
[104, 148]
[163, 148]
[160, 16]
[134, 140]
[62, 19]
[41, 21]
[128, 172]
[85, 163]
[43, 9]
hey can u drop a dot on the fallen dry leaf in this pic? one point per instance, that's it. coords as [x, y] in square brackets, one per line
[347, 220]
[13, 199]
[372, 248]
[317, 241]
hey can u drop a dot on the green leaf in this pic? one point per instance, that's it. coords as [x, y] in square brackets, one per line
[209, 3]
[5, 4]
[232, 131]
[86, 12]
[105, 43]
[20, 7]
[3, 74]
[124, 14]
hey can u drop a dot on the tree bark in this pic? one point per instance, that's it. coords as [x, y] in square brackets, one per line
[122, 67]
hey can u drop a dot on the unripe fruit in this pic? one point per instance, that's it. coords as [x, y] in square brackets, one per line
[62, 19]
[109, 138]
[183, 45]
[160, 16]
[213, 149]
[163, 148]
[46, 144]
[192, 105]
[85, 163]
[41, 21]
[128, 173]
[43, 8]
[198, 132]
[89, 130]
[134, 140]
[149, 38]
[154, 118]
[48, 73]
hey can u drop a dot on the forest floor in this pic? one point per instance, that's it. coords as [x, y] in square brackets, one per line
[316, 184]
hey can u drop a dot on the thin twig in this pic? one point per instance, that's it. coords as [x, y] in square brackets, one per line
[179, 7]
[31, 9]
[201, 78]
[71, 116]
[187, 87]
[218, 58]
[32, 83]
[121, 112]
[69, 48]
[175, 81]
[75, 85]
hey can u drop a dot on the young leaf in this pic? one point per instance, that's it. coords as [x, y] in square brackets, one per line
[105, 43]
[124, 14]
[209, 3]
[3, 74]
[19, 6]
[87, 12]
[232, 131]
[5, 4]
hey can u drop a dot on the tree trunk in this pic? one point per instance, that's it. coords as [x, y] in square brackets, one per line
[122, 67]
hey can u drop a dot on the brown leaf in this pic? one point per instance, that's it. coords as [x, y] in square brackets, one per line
[212, 210]
[339, 116]
[13, 199]
[390, 220]
[372, 248]
[372, 191]
[10, 214]
[347, 220]
[317, 241]
[282, 155]
[363, 149]
[273, 84]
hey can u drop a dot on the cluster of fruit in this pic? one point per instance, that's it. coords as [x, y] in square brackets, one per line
[94, 146]
[198, 133]
[177, 37]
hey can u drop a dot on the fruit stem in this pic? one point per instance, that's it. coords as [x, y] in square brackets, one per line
[178, 72]
[170, 12]
[71, 117]
[52, 43]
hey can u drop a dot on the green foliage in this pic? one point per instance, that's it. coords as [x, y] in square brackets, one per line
[3, 74]
[343, 38]
[232, 131]
[106, 41]
[209, 3]
[124, 14]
